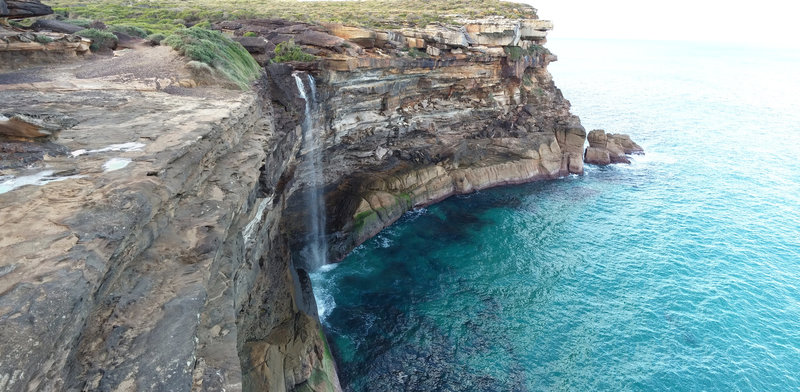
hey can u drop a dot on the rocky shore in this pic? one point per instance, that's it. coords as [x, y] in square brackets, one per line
[151, 241]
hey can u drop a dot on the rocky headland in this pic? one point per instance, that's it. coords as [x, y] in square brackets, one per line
[152, 223]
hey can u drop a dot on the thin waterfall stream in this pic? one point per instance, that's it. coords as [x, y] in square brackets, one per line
[315, 252]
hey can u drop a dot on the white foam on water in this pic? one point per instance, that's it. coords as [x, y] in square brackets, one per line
[653, 157]
[323, 295]
[10, 183]
[328, 267]
[415, 213]
[115, 164]
[122, 147]
[384, 242]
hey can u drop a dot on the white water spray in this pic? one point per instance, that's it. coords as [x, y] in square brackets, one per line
[316, 248]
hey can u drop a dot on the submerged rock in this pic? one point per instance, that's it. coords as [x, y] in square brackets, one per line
[607, 148]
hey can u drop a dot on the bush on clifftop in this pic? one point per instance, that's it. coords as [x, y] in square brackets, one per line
[289, 51]
[101, 40]
[225, 56]
[133, 31]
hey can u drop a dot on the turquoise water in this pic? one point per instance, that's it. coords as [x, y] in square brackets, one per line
[680, 271]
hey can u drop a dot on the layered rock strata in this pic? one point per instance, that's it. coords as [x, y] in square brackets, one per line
[160, 251]
[416, 115]
[22, 49]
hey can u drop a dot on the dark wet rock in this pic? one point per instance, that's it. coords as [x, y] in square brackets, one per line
[55, 26]
[18, 154]
[96, 24]
[17, 9]
[254, 45]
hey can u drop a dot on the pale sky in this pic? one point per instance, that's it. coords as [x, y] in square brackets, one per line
[767, 22]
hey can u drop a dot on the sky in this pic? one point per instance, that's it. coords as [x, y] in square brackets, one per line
[767, 22]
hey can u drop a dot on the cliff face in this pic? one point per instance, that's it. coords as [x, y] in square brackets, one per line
[477, 109]
[181, 269]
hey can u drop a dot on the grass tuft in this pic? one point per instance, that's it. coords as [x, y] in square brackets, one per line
[222, 54]
[156, 38]
[132, 31]
[43, 39]
[289, 51]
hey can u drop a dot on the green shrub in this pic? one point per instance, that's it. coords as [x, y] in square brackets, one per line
[43, 39]
[218, 51]
[251, 34]
[85, 23]
[526, 80]
[515, 52]
[289, 51]
[101, 40]
[133, 31]
[203, 25]
[156, 38]
[416, 53]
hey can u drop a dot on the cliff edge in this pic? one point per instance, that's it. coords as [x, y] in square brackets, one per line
[156, 243]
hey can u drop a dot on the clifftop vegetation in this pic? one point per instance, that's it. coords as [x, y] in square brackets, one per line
[163, 16]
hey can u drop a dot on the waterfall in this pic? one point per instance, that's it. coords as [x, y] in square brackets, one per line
[315, 251]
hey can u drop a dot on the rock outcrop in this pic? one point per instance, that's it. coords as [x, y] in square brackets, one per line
[162, 252]
[18, 9]
[23, 49]
[605, 149]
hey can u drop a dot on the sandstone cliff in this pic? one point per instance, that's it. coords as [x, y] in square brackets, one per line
[160, 246]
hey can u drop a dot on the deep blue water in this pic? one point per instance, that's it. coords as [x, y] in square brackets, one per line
[678, 272]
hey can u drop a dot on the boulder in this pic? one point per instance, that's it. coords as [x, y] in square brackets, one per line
[597, 156]
[55, 26]
[627, 145]
[33, 126]
[609, 148]
[362, 37]
[254, 45]
[318, 39]
[597, 138]
[18, 9]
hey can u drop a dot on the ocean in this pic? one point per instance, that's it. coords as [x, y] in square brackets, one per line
[680, 271]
